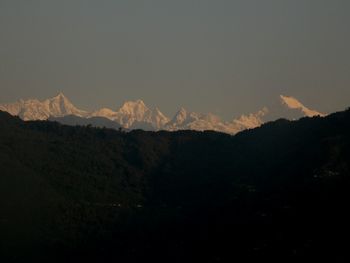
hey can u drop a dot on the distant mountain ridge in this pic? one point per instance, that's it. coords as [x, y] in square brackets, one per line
[33, 109]
[136, 115]
[293, 103]
[133, 112]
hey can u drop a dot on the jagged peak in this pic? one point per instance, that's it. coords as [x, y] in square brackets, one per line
[291, 102]
[140, 102]
[182, 111]
[157, 111]
[180, 116]
[133, 106]
[133, 103]
[60, 95]
[61, 99]
[294, 103]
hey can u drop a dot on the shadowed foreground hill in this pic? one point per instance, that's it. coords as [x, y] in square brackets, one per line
[93, 121]
[71, 194]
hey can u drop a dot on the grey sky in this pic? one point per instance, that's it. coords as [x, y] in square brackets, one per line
[227, 57]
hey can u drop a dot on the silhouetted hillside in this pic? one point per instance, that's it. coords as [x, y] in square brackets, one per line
[278, 193]
[98, 122]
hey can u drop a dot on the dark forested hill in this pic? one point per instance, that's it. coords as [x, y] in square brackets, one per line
[92, 121]
[83, 194]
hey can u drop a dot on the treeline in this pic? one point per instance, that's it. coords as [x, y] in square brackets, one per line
[279, 192]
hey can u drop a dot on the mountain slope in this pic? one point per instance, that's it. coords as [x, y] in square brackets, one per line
[293, 103]
[34, 109]
[278, 191]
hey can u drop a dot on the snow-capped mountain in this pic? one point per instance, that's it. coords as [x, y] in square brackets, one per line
[136, 115]
[184, 120]
[250, 121]
[181, 119]
[294, 104]
[33, 109]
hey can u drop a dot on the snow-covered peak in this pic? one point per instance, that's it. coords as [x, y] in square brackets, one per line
[140, 102]
[134, 108]
[157, 113]
[180, 116]
[60, 105]
[33, 109]
[251, 120]
[60, 100]
[192, 121]
[293, 103]
[60, 95]
[136, 114]
[158, 119]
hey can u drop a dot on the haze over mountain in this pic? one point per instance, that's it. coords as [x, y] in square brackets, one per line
[136, 115]
[74, 120]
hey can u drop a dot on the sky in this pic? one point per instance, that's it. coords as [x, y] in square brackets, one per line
[221, 56]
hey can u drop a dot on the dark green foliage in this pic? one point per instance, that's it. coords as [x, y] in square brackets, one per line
[279, 192]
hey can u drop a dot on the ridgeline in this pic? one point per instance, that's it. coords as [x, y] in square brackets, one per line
[82, 194]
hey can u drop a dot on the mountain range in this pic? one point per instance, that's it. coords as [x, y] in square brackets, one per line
[136, 115]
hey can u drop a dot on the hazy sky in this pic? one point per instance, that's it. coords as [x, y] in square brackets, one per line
[227, 57]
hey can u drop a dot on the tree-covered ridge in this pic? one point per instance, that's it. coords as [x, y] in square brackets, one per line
[277, 192]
